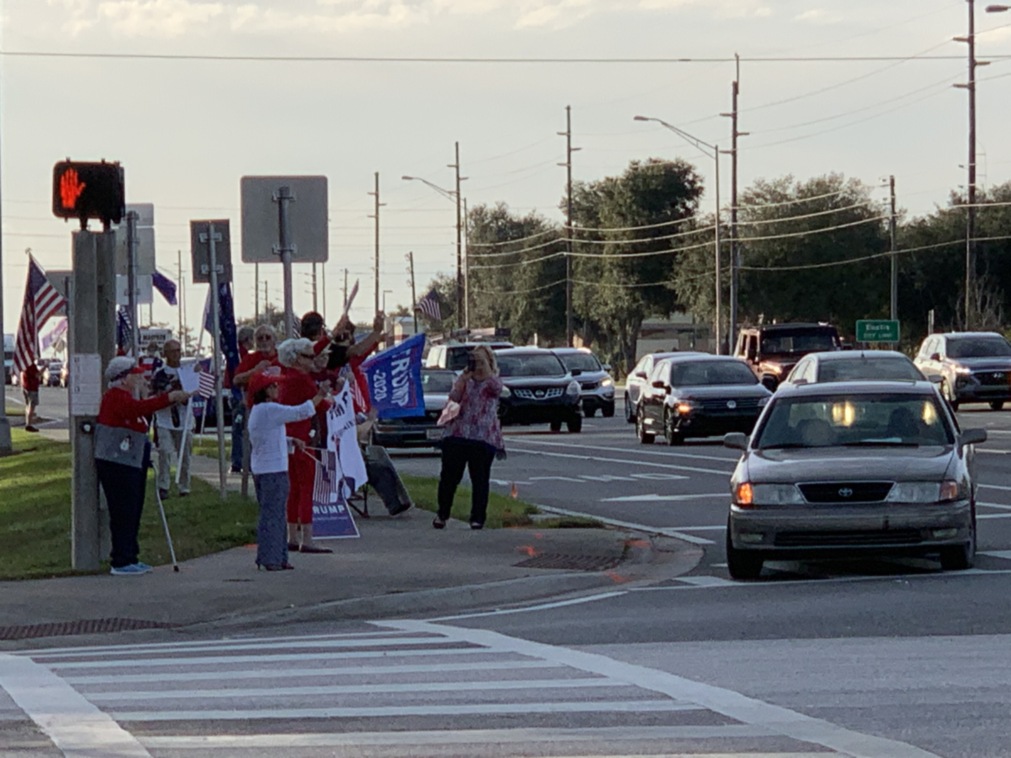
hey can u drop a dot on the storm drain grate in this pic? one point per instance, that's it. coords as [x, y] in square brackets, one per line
[571, 562]
[86, 626]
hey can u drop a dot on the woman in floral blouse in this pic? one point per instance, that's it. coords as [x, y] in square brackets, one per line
[474, 438]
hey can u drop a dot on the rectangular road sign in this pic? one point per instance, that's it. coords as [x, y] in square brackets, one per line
[307, 219]
[201, 250]
[877, 330]
[145, 240]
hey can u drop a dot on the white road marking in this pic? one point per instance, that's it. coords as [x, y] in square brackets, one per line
[398, 711]
[676, 533]
[75, 726]
[1004, 554]
[643, 450]
[1002, 488]
[658, 498]
[625, 461]
[986, 516]
[284, 743]
[706, 581]
[531, 608]
[727, 702]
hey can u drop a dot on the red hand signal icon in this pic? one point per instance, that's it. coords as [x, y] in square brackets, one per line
[71, 188]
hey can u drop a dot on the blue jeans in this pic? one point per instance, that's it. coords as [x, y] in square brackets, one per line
[271, 532]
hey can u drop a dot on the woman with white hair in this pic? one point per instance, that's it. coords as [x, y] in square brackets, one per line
[123, 454]
[297, 359]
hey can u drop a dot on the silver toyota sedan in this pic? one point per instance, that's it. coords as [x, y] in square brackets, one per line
[849, 468]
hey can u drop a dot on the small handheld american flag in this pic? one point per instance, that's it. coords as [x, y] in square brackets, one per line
[205, 387]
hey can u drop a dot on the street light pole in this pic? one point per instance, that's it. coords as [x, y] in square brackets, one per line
[712, 151]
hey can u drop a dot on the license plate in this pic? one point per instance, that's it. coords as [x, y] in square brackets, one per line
[434, 434]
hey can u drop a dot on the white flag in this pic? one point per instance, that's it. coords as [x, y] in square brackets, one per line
[342, 439]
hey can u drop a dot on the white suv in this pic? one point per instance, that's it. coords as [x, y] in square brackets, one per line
[453, 355]
[596, 386]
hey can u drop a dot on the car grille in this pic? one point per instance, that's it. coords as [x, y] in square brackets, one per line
[845, 492]
[539, 393]
[848, 539]
[992, 378]
[590, 385]
[718, 406]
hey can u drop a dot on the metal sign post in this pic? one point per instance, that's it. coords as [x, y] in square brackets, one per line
[284, 248]
[131, 276]
[211, 238]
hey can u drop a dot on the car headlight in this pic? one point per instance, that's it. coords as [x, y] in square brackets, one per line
[683, 407]
[607, 382]
[924, 492]
[573, 389]
[962, 370]
[748, 495]
[506, 392]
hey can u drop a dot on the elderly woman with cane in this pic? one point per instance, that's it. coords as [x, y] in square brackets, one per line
[268, 461]
[473, 438]
[123, 455]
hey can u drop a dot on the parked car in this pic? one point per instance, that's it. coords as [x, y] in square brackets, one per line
[419, 431]
[538, 389]
[638, 378]
[975, 367]
[454, 355]
[772, 350]
[596, 385]
[51, 373]
[698, 395]
[853, 365]
[847, 469]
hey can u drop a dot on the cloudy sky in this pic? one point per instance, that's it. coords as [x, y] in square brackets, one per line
[191, 95]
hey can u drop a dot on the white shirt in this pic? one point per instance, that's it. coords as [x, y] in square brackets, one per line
[164, 417]
[268, 444]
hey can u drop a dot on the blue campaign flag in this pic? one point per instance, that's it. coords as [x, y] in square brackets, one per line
[165, 286]
[395, 379]
[226, 324]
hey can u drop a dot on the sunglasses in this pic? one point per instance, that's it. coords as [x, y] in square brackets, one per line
[264, 338]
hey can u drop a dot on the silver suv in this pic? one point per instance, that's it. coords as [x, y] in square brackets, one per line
[596, 385]
[975, 367]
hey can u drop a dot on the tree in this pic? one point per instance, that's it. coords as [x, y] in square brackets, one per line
[627, 231]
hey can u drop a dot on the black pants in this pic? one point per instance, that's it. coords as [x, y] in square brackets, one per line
[476, 457]
[124, 492]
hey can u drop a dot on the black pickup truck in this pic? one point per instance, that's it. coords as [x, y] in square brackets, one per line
[773, 349]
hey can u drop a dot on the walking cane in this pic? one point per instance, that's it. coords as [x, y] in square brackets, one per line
[168, 534]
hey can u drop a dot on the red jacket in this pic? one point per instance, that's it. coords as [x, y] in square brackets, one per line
[119, 408]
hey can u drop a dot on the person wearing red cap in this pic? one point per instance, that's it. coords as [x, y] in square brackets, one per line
[124, 482]
[268, 460]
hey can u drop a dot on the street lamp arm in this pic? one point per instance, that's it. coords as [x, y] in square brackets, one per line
[448, 194]
[702, 145]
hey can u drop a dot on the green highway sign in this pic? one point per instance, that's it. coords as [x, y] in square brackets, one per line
[877, 330]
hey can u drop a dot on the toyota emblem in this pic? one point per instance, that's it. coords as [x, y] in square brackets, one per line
[731, 404]
[998, 375]
[845, 492]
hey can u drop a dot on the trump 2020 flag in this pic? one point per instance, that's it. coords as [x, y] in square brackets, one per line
[395, 379]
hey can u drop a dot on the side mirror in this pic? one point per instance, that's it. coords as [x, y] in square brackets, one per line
[658, 384]
[770, 383]
[606, 367]
[934, 378]
[972, 437]
[935, 356]
[576, 371]
[640, 375]
[736, 441]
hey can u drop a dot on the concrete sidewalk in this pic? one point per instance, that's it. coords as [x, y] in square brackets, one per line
[399, 566]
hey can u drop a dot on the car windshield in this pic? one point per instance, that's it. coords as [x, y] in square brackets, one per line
[456, 358]
[978, 347]
[868, 368]
[437, 381]
[530, 365]
[858, 420]
[807, 341]
[580, 362]
[701, 373]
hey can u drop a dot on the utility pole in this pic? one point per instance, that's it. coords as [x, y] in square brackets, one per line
[892, 221]
[314, 307]
[569, 150]
[256, 292]
[322, 275]
[460, 309]
[414, 297]
[375, 215]
[970, 216]
[735, 252]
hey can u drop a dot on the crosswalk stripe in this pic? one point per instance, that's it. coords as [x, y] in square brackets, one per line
[392, 711]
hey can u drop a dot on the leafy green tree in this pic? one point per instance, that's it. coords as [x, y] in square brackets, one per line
[627, 232]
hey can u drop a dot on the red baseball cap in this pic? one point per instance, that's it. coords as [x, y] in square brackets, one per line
[260, 381]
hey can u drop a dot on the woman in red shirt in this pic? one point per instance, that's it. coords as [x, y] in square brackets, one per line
[124, 484]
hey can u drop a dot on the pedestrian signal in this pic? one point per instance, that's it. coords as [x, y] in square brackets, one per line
[89, 190]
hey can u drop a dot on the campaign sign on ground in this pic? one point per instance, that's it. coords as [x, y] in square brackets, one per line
[331, 517]
[395, 379]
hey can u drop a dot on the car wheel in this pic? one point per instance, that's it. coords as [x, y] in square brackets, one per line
[556, 426]
[961, 557]
[629, 411]
[589, 412]
[607, 411]
[574, 425]
[949, 394]
[640, 428]
[997, 405]
[742, 564]
[672, 436]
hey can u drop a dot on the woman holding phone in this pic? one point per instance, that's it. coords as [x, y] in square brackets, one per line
[473, 439]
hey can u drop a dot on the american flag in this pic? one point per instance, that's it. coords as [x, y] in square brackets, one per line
[206, 383]
[429, 305]
[41, 301]
[326, 485]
